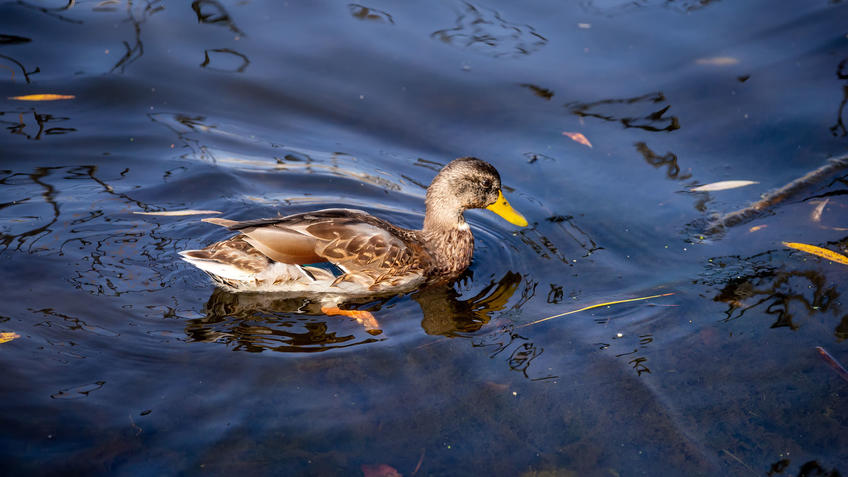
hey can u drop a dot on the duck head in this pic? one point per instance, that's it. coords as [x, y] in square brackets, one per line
[466, 183]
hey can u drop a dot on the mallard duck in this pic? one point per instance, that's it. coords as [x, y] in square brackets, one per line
[346, 252]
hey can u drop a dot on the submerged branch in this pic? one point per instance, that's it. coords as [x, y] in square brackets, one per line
[776, 196]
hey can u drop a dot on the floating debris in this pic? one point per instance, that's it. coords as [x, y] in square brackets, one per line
[42, 97]
[718, 61]
[817, 212]
[178, 213]
[578, 138]
[843, 373]
[7, 336]
[722, 185]
[616, 302]
[821, 252]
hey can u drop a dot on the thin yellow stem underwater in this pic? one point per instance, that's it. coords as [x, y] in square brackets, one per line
[594, 306]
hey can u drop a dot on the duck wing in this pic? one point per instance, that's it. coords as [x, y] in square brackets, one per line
[352, 239]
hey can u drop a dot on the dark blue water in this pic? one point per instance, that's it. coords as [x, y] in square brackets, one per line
[129, 362]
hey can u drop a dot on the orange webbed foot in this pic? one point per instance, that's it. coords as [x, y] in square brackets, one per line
[364, 318]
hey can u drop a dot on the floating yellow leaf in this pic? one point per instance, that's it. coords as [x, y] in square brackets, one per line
[717, 61]
[722, 185]
[577, 137]
[177, 213]
[7, 336]
[821, 252]
[42, 97]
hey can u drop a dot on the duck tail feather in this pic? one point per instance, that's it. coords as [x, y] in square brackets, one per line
[219, 221]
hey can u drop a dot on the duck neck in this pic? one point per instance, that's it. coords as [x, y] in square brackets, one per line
[449, 240]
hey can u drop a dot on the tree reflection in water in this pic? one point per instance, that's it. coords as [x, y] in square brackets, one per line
[486, 31]
[637, 112]
[257, 322]
[777, 292]
[838, 129]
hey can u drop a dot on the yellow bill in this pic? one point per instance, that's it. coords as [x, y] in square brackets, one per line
[502, 208]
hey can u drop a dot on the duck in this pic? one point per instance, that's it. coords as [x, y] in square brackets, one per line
[344, 253]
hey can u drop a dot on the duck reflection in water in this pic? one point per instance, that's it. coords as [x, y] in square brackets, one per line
[278, 322]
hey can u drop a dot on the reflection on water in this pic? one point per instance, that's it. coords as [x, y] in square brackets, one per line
[612, 7]
[543, 93]
[756, 283]
[135, 50]
[545, 248]
[518, 351]
[484, 31]
[38, 126]
[17, 63]
[238, 61]
[807, 469]
[444, 313]
[11, 233]
[113, 254]
[669, 160]
[838, 129]
[13, 39]
[361, 12]
[256, 322]
[637, 112]
[54, 12]
[182, 125]
[278, 322]
[211, 12]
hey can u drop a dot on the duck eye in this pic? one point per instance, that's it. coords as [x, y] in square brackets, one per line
[487, 184]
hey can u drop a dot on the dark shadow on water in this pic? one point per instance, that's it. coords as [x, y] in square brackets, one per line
[256, 322]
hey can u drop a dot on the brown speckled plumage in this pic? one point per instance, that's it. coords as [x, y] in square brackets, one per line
[374, 255]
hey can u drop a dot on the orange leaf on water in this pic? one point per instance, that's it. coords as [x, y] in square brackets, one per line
[577, 137]
[42, 97]
[821, 252]
[7, 336]
[382, 470]
[717, 61]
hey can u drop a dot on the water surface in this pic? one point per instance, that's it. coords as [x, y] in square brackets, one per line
[130, 362]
